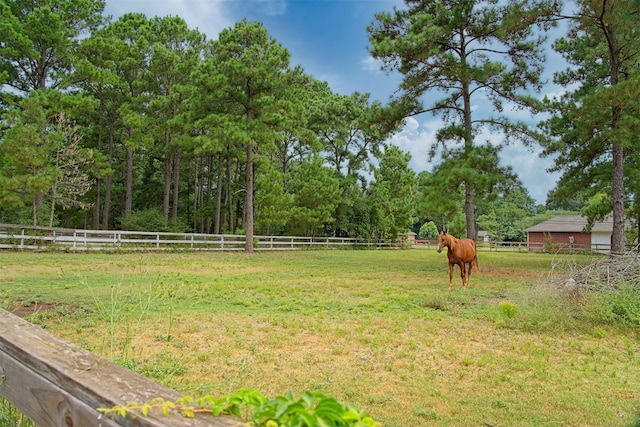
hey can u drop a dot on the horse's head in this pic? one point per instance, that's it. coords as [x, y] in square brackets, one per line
[443, 240]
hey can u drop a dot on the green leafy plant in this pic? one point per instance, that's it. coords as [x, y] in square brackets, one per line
[508, 309]
[311, 409]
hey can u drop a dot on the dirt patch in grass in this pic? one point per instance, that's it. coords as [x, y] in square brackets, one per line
[43, 307]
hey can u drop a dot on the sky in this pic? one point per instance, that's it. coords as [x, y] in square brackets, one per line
[329, 40]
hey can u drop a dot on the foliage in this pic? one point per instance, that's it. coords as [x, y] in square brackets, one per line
[453, 48]
[392, 194]
[316, 191]
[40, 40]
[150, 220]
[428, 230]
[595, 121]
[174, 122]
[273, 204]
[27, 170]
[311, 409]
[350, 129]
[71, 180]
[502, 219]
[255, 76]
[508, 309]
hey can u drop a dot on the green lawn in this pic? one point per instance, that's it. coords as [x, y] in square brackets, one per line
[376, 328]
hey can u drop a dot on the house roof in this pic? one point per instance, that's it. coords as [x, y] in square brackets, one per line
[570, 224]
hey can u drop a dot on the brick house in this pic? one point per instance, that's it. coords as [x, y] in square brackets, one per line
[567, 233]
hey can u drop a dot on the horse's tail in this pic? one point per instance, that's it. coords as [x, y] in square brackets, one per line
[475, 263]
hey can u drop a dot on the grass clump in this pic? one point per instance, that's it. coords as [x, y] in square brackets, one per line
[11, 417]
[585, 293]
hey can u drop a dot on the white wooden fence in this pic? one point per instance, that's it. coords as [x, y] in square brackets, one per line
[46, 238]
[41, 238]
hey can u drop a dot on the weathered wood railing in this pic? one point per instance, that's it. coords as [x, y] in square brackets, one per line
[57, 384]
[34, 238]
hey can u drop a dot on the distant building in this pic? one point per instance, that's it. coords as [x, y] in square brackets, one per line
[483, 236]
[408, 237]
[568, 233]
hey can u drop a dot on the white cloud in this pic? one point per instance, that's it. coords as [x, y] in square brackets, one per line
[207, 16]
[371, 64]
[531, 169]
[272, 7]
[416, 139]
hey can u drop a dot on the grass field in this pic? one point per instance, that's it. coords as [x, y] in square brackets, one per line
[378, 329]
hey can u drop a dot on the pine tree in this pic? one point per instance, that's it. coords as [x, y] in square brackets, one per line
[457, 51]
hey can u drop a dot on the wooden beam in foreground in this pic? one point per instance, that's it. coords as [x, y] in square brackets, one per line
[56, 383]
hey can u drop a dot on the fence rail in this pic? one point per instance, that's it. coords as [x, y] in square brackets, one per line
[38, 238]
[600, 248]
[529, 247]
[46, 238]
[56, 383]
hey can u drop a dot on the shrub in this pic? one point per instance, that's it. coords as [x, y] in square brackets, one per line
[151, 220]
[621, 305]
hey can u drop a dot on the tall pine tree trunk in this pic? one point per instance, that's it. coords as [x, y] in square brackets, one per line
[469, 209]
[248, 202]
[95, 217]
[196, 193]
[176, 186]
[167, 177]
[128, 198]
[106, 209]
[617, 233]
[216, 221]
[617, 150]
[230, 222]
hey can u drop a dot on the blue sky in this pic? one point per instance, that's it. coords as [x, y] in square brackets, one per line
[328, 39]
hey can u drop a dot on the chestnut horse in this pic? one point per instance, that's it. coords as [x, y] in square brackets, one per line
[460, 252]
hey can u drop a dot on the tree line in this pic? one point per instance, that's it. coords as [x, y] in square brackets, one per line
[143, 123]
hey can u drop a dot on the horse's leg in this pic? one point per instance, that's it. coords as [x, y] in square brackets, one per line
[450, 274]
[469, 273]
[462, 266]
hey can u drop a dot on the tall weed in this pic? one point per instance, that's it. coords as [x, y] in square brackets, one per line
[11, 417]
[546, 307]
[619, 305]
